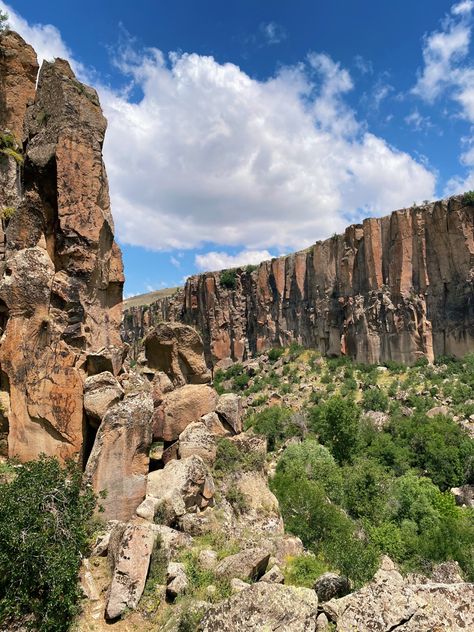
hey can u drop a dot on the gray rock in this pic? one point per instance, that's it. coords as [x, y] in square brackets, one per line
[262, 607]
[248, 564]
[331, 586]
[273, 576]
[229, 409]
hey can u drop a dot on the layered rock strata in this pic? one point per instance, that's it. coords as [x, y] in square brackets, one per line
[61, 277]
[395, 288]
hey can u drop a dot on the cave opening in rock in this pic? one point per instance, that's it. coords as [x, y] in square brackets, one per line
[90, 429]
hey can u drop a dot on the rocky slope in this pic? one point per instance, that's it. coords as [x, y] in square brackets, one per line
[61, 271]
[396, 288]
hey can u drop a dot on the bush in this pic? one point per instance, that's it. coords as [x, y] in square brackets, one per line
[375, 399]
[230, 460]
[304, 570]
[275, 353]
[337, 424]
[44, 529]
[276, 424]
[228, 279]
[468, 198]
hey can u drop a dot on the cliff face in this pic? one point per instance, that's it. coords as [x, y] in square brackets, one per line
[396, 288]
[61, 274]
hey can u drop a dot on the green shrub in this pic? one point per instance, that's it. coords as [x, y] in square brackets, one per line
[44, 530]
[7, 212]
[276, 424]
[468, 198]
[336, 422]
[230, 460]
[366, 490]
[304, 570]
[228, 279]
[275, 353]
[10, 148]
[375, 399]
[250, 268]
[237, 499]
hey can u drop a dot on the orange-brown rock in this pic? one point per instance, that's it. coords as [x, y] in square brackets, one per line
[395, 288]
[61, 279]
[177, 350]
[182, 407]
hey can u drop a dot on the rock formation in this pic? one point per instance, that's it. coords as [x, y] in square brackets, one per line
[61, 278]
[396, 288]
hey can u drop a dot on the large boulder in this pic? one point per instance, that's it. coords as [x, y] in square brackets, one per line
[331, 586]
[118, 463]
[247, 564]
[182, 486]
[264, 606]
[131, 568]
[180, 408]
[101, 392]
[197, 439]
[392, 602]
[230, 411]
[177, 350]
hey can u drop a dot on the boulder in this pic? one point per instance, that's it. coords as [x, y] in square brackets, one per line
[197, 439]
[237, 585]
[101, 392]
[177, 350]
[176, 580]
[180, 408]
[273, 576]
[249, 564]
[392, 602]
[131, 569]
[181, 486]
[464, 495]
[118, 463]
[214, 425]
[230, 411]
[438, 410]
[208, 559]
[264, 606]
[331, 586]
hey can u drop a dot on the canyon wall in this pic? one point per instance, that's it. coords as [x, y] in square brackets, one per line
[396, 288]
[61, 273]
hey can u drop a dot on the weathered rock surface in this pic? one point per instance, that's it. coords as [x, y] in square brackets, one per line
[182, 486]
[230, 411]
[118, 462]
[391, 602]
[61, 283]
[177, 350]
[182, 407]
[393, 288]
[248, 564]
[101, 392]
[131, 568]
[264, 606]
[197, 439]
[464, 495]
[331, 586]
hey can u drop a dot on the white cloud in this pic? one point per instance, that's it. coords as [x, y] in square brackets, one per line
[209, 154]
[45, 39]
[417, 121]
[175, 262]
[445, 66]
[212, 155]
[462, 8]
[222, 260]
[274, 33]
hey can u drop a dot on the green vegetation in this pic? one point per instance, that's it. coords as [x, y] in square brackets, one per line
[228, 279]
[10, 148]
[468, 198]
[304, 570]
[230, 459]
[250, 268]
[353, 488]
[3, 21]
[7, 212]
[44, 529]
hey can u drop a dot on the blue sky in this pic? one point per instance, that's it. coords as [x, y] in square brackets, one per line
[241, 130]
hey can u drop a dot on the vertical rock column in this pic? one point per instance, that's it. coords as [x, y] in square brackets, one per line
[62, 276]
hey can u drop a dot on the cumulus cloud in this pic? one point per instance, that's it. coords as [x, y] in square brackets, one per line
[445, 65]
[221, 260]
[209, 154]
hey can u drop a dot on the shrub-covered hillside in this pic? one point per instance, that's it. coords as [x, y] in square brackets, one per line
[365, 457]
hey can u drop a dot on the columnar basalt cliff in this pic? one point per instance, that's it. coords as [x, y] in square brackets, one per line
[61, 278]
[396, 288]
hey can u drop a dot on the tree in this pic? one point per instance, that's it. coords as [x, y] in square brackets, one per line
[337, 424]
[3, 21]
[44, 530]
